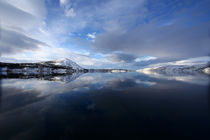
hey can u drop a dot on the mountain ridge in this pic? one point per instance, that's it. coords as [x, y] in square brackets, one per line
[64, 62]
[58, 66]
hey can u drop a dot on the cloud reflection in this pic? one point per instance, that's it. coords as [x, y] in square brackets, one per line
[75, 82]
[199, 79]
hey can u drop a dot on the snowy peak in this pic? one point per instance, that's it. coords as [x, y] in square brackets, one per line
[66, 62]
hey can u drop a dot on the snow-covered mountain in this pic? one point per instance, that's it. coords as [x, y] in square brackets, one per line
[59, 66]
[64, 62]
[174, 70]
[194, 70]
[183, 67]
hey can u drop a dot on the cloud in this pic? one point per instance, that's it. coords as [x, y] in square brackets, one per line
[173, 41]
[144, 63]
[68, 10]
[33, 7]
[92, 36]
[182, 31]
[13, 41]
[146, 58]
[63, 2]
[121, 57]
[12, 16]
[22, 14]
[97, 15]
[133, 61]
[19, 20]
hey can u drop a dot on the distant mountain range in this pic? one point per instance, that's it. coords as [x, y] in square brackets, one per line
[191, 71]
[56, 67]
[184, 67]
[177, 70]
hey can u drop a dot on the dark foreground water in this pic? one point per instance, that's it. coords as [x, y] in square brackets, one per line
[105, 106]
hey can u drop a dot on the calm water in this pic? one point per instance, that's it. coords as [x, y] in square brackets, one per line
[104, 106]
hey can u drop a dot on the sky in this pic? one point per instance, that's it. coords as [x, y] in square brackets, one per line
[104, 33]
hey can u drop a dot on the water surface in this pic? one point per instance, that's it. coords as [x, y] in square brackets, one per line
[104, 105]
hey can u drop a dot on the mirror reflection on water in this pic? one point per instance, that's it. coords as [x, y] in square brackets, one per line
[108, 105]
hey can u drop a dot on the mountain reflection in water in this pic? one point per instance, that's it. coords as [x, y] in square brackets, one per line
[103, 105]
